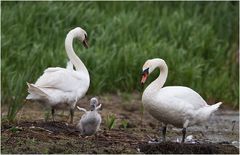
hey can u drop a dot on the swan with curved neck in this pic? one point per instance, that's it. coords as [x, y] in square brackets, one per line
[61, 88]
[177, 105]
[82, 36]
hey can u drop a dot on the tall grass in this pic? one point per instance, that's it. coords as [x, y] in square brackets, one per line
[198, 40]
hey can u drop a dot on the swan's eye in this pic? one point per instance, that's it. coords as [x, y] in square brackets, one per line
[86, 37]
[85, 41]
[146, 71]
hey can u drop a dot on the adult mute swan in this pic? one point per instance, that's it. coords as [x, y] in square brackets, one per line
[61, 88]
[176, 105]
[90, 121]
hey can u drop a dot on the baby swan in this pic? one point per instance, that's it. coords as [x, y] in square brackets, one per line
[91, 120]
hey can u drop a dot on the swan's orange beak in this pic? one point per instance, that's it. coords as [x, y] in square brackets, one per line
[144, 75]
[85, 43]
[144, 78]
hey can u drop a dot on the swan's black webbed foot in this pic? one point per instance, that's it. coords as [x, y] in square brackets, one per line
[53, 112]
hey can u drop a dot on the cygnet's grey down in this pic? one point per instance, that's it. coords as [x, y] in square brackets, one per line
[90, 121]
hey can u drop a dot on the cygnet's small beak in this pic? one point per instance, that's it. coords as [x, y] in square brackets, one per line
[85, 43]
[92, 107]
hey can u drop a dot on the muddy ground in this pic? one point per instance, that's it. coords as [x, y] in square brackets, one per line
[34, 132]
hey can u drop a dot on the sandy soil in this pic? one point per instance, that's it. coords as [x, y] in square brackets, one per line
[34, 132]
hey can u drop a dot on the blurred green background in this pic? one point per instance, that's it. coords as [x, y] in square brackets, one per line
[198, 41]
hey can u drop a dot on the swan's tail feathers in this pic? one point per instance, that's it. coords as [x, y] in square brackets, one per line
[205, 113]
[35, 93]
[69, 65]
[214, 107]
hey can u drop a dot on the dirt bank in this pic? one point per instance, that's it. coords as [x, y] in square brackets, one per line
[130, 134]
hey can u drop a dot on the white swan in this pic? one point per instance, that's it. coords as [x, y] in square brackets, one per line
[61, 88]
[90, 121]
[176, 105]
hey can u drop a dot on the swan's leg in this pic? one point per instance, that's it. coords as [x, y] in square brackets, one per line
[96, 139]
[53, 112]
[164, 130]
[184, 130]
[184, 133]
[71, 113]
[72, 109]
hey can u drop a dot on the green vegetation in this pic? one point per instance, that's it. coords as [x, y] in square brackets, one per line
[124, 123]
[15, 129]
[198, 40]
[110, 121]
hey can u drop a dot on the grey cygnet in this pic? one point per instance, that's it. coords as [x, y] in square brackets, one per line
[90, 121]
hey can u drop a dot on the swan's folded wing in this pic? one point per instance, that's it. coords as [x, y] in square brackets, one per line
[185, 94]
[193, 98]
[61, 79]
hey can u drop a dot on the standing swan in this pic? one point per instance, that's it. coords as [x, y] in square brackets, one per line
[61, 88]
[176, 105]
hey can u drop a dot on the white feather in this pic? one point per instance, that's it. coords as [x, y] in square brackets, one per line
[69, 65]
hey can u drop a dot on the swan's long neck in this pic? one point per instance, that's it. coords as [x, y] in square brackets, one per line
[157, 84]
[72, 55]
